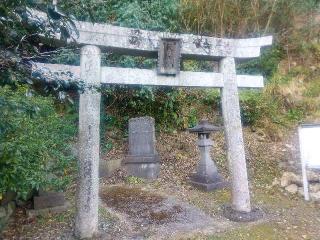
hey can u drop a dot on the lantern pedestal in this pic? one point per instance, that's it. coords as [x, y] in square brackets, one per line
[207, 187]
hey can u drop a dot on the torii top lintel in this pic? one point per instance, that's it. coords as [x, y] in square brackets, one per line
[146, 43]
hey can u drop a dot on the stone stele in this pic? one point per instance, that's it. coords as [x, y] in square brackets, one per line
[143, 159]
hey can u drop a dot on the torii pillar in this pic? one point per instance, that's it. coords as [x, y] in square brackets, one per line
[234, 138]
[87, 197]
[240, 209]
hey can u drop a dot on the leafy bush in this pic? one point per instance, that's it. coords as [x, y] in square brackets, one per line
[171, 108]
[145, 14]
[266, 65]
[252, 106]
[34, 149]
[19, 41]
[212, 98]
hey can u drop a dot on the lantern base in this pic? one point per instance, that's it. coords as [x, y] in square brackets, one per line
[203, 184]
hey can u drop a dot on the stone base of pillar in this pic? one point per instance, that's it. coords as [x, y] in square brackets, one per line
[238, 216]
[208, 184]
[147, 167]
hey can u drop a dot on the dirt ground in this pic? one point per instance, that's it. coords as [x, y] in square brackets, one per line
[169, 208]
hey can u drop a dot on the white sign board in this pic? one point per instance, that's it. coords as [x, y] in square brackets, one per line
[309, 140]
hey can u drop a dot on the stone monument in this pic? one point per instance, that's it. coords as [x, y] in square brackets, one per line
[207, 177]
[143, 159]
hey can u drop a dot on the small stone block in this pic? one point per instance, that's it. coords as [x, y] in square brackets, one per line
[45, 211]
[237, 216]
[49, 199]
[207, 187]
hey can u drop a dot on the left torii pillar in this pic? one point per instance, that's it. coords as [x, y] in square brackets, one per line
[87, 198]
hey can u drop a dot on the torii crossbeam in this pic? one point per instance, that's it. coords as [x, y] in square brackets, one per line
[146, 43]
[147, 77]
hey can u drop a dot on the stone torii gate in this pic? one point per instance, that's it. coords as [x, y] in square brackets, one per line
[168, 47]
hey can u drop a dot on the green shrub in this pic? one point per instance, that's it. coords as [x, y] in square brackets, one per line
[34, 149]
[159, 15]
[266, 65]
[295, 114]
[257, 106]
[212, 98]
[251, 105]
[171, 108]
[313, 89]
[192, 117]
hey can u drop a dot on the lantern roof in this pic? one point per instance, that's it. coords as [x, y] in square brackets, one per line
[204, 127]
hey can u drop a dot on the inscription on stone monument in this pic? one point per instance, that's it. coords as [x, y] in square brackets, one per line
[169, 56]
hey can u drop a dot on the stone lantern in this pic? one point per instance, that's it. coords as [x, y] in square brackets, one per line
[207, 177]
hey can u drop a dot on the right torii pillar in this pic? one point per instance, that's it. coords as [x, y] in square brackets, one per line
[240, 209]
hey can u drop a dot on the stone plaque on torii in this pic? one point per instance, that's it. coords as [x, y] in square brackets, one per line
[94, 37]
